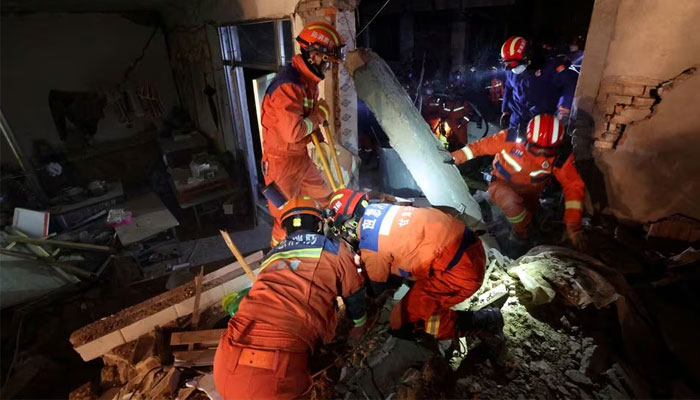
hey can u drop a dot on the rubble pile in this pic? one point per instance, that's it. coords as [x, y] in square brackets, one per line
[549, 353]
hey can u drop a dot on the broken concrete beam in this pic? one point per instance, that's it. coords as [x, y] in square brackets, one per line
[98, 338]
[410, 135]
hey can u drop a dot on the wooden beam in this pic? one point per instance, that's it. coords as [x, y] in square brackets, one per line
[101, 336]
[59, 243]
[206, 337]
[194, 358]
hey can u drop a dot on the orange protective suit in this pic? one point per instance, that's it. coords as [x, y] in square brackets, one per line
[289, 114]
[264, 352]
[438, 251]
[448, 119]
[520, 176]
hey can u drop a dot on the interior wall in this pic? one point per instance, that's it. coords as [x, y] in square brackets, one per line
[75, 52]
[646, 128]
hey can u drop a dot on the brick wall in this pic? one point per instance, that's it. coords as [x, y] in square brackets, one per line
[627, 100]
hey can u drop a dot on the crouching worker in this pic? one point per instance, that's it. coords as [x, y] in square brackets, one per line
[521, 170]
[264, 352]
[446, 260]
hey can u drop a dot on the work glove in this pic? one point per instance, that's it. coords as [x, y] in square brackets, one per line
[322, 111]
[505, 120]
[358, 331]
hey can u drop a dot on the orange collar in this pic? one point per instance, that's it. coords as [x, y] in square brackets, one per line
[307, 77]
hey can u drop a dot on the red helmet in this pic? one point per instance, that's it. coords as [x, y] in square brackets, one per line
[344, 204]
[513, 51]
[323, 38]
[301, 206]
[545, 130]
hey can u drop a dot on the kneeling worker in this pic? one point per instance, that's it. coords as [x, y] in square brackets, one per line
[264, 352]
[445, 258]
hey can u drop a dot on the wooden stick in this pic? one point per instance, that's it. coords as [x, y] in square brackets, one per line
[238, 255]
[59, 243]
[331, 142]
[195, 310]
[50, 262]
[324, 162]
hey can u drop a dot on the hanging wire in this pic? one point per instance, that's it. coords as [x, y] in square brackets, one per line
[372, 19]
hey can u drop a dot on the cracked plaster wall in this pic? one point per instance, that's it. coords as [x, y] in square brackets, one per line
[646, 134]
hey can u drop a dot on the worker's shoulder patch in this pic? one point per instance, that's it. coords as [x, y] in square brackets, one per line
[287, 74]
[371, 225]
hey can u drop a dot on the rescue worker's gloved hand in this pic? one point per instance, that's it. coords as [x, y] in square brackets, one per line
[321, 112]
[505, 120]
[459, 156]
[575, 235]
[358, 331]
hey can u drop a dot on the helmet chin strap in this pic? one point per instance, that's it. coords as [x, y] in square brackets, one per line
[316, 69]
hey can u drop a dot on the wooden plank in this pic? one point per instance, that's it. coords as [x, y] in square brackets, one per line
[59, 243]
[194, 358]
[205, 337]
[144, 317]
[197, 296]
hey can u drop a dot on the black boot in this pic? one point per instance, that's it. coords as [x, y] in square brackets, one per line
[488, 321]
[486, 324]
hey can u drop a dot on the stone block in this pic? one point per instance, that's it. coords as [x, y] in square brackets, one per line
[621, 120]
[606, 136]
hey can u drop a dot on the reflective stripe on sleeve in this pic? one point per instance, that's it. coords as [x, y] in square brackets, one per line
[574, 204]
[309, 126]
[468, 152]
[510, 160]
[518, 218]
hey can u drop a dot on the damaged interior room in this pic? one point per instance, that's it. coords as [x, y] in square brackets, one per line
[349, 199]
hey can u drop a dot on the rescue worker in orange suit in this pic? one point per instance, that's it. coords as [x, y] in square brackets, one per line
[290, 112]
[449, 121]
[534, 84]
[521, 170]
[439, 252]
[263, 354]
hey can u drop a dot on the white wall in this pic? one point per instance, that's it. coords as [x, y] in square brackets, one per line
[74, 52]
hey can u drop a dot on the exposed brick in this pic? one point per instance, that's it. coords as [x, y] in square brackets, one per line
[643, 101]
[635, 113]
[618, 119]
[637, 80]
[619, 99]
[632, 90]
[610, 88]
[606, 136]
[603, 145]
